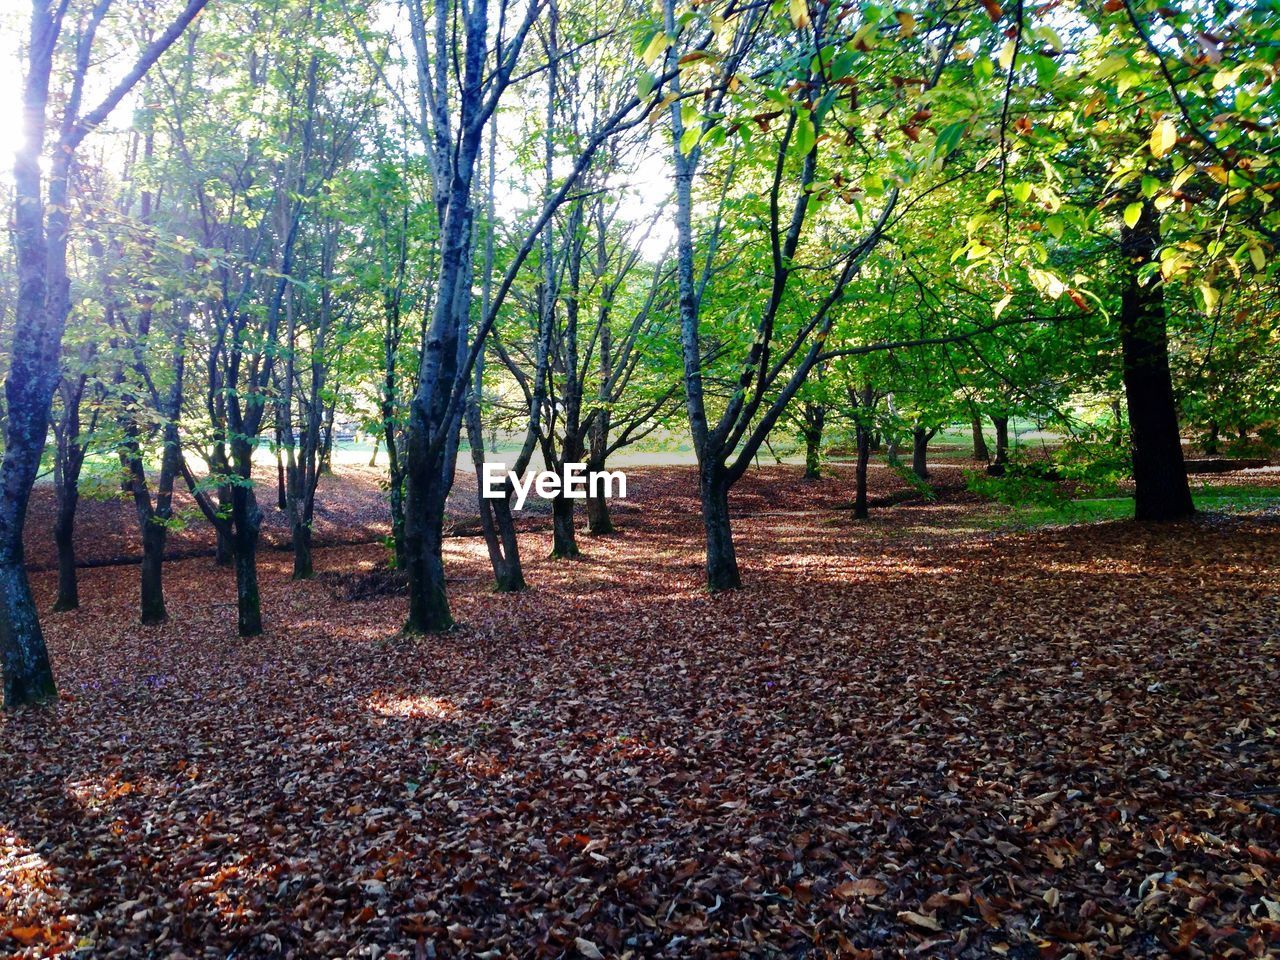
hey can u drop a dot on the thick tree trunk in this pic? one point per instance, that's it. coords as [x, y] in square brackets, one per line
[1160, 483]
[247, 521]
[248, 601]
[64, 528]
[424, 542]
[980, 451]
[722, 560]
[28, 677]
[154, 534]
[864, 459]
[920, 452]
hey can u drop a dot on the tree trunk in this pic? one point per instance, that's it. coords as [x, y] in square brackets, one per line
[812, 453]
[64, 528]
[1160, 483]
[599, 522]
[980, 451]
[222, 551]
[563, 542]
[920, 452]
[326, 448]
[1213, 442]
[302, 565]
[373, 458]
[1002, 446]
[282, 496]
[722, 560]
[154, 534]
[864, 458]
[247, 521]
[28, 677]
[424, 560]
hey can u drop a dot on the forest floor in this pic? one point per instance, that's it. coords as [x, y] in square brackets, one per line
[921, 735]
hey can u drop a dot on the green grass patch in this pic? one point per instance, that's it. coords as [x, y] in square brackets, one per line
[1224, 499]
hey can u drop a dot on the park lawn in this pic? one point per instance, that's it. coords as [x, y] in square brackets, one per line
[1210, 499]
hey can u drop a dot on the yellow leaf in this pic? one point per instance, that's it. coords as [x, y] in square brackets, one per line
[659, 43]
[1163, 138]
[1006, 53]
[906, 23]
[800, 13]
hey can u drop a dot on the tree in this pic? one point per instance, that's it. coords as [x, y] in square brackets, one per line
[41, 238]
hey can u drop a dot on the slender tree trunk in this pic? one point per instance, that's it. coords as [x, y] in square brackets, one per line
[920, 452]
[722, 560]
[1159, 473]
[373, 458]
[396, 499]
[303, 569]
[282, 495]
[812, 453]
[222, 550]
[496, 521]
[1213, 442]
[64, 528]
[599, 522]
[154, 534]
[1001, 424]
[980, 451]
[863, 435]
[563, 542]
[326, 448]
[814, 420]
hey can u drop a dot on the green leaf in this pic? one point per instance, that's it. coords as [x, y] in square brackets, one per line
[1055, 224]
[1132, 214]
[805, 137]
[689, 139]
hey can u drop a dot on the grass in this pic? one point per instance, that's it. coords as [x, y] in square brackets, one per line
[1224, 499]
